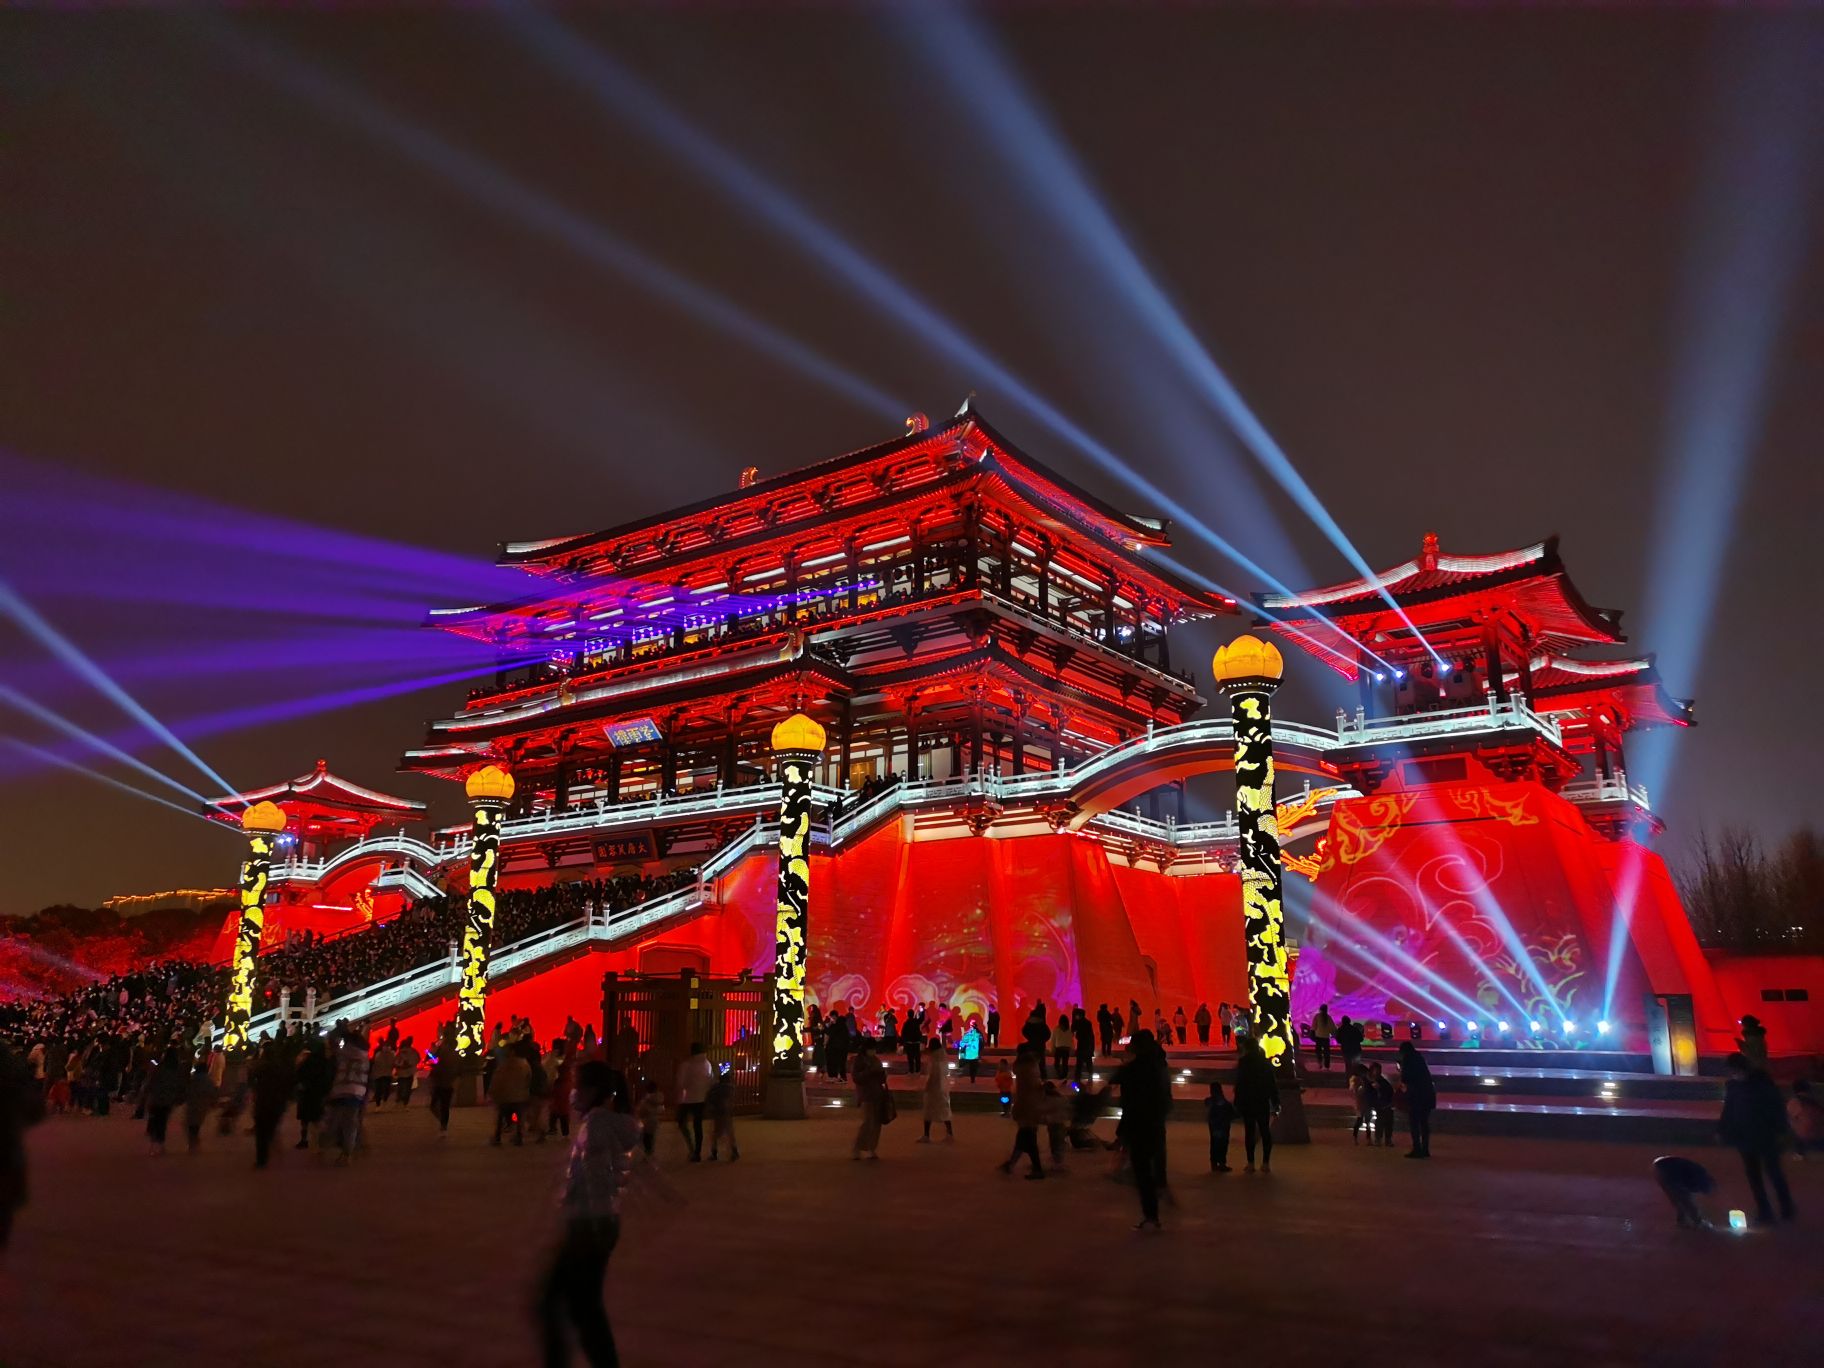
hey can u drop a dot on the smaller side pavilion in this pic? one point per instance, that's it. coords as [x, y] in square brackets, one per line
[325, 814]
[1494, 875]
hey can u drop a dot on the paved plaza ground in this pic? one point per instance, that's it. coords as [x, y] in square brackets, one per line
[1498, 1251]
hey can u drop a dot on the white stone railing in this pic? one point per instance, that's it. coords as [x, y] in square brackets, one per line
[761, 800]
[392, 847]
[391, 994]
[1616, 789]
[1494, 716]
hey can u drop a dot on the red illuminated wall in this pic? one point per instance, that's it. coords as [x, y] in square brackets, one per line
[1190, 929]
[970, 921]
[1795, 1025]
[573, 988]
[1434, 872]
[974, 921]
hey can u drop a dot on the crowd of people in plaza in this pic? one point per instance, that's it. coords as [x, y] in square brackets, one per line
[147, 1039]
[107, 1030]
[429, 930]
[150, 1044]
[1069, 1043]
[1050, 1084]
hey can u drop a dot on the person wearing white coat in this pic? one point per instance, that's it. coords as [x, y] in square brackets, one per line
[937, 1091]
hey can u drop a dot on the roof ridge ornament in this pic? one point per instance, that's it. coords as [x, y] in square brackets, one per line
[1428, 552]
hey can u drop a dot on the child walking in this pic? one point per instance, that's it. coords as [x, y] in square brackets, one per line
[646, 1112]
[1003, 1084]
[1383, 1105]
[719, 1103]
[1219, 1115]
[1361, 1091]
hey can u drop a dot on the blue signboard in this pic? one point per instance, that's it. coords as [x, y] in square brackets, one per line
[641, 731]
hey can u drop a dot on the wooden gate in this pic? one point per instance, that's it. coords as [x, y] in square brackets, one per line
[650, 1021]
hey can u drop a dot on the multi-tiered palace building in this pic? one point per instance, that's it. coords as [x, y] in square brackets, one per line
[994, 657]
[941, 603]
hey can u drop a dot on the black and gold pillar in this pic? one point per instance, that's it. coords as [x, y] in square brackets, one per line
[262, 822]
[798, 745]
[1248, 670]
[489, 789]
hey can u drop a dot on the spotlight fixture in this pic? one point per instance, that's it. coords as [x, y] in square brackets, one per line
[1602, 1028]
[1501, 1026]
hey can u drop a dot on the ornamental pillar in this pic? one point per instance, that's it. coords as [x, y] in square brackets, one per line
[975, 728]
[798, 745]
[847, 743]
[1019, 731]
[1248, 670]
[490, 789]
[1497, 676]
[262, 824]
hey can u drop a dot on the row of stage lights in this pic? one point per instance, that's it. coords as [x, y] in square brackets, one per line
[1467, 667]
[1504, 1027]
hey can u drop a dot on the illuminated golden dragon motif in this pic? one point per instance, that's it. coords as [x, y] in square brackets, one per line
[1361, 828]
[1308, 865]
[1294, 810]
[1481, 802]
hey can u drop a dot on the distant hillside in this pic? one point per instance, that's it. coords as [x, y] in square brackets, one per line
[61, 948]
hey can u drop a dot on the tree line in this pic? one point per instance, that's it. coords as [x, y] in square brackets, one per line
[1741, 896]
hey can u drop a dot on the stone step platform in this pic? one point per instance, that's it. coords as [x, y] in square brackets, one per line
[1482, 1075]
[1551, 1056]
[1510, 1109]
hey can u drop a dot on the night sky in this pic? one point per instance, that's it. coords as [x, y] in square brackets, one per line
[1467, 270]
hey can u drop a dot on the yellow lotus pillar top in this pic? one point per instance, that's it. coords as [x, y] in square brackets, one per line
[1247, 658]
[490, 782]
[798, 733]
[267, 817]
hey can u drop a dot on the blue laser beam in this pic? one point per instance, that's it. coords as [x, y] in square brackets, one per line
[965, 54]
[1371, 971]
[49, 757]
[513, 199]
[19, 945]
[1489, 976]
[39, 713]
[1340, 923]
[65, 650]
[624, 94]
[1477, 892]
[1750, 226]
[286, 709]
[194, 536]
[1285, 625]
